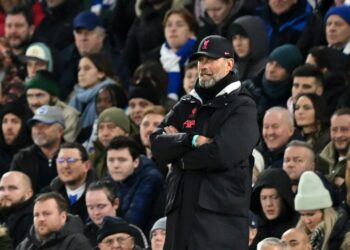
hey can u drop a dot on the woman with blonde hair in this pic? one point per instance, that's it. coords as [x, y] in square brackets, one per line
[327, 228]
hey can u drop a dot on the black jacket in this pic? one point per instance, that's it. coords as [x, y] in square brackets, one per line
[278, 179]
[217, 175]
[69, 237]
[18, 220]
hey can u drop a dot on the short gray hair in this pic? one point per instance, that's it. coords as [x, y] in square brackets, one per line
[271, 241]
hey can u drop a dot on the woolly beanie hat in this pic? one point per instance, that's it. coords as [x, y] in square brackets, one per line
[114, 225]
[288, 56]
[311, 194]
[343, 11]
[44, 81]
[144, 89]
[116, 116]
[159, 224]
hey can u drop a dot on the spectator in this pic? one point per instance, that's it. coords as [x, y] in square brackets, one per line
[143, 95]
[19, 29]
[253, 228]
[326, 227]
[39, 56]
[149, 17]
[74, 176]
[274, 86]
[295, 239]
[41, 90]
[272, 202]
[47, 128]
[335, 151]
[137, 181]
[101, 201]
[285, 20]
[16, 205]
[251, 45]
[312, 117]
[14, 133]
[179, 30]
[338, 28]
[90, 37]
[190, 76]
[95, 72]
[271, 243]
[277, 131]
[219, 14]
[112, 95]
[298, 158]
[115, 232]
[59, 230]
[112, 122]
[307, 78]
[158, 234]
[56, 27]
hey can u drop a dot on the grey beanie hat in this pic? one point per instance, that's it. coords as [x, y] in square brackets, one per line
[159, 224]
[312, 194]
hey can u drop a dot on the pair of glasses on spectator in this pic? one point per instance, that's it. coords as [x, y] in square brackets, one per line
[69, 160]
[120, 240]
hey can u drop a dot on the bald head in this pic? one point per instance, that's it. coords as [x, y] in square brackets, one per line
[295, 239]
[278, 128]
[15, 188]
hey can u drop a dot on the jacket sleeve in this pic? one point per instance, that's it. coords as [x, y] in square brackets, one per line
[167, 148]
[143, 200]
[232, 144]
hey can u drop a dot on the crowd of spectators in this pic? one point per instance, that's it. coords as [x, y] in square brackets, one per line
[84, 83]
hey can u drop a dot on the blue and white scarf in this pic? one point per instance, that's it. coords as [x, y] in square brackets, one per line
[172, 63]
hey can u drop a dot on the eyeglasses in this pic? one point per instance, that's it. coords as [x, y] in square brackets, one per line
[69, 160]
[120, 240]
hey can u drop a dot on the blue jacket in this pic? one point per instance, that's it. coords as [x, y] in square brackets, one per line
[138, 194]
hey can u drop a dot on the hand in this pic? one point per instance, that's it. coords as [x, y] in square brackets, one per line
[203, 140]
[170, 130]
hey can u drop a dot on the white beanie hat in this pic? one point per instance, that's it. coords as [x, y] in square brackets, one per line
[312, 194]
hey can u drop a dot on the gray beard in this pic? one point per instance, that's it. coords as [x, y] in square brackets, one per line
[207, 84]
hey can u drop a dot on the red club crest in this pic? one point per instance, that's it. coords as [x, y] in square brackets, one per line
[205, 44]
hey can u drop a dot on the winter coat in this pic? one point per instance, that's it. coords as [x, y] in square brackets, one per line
[138, 193]
[32, 161]
[98, 158]
[139, 42]
[5, 240]
[240, 8]
[18, 220]
[69, 237]
[208, 187]
[278, 179]
[22, 140]
[287, 27]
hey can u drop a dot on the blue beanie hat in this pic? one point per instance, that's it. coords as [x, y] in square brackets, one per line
[288, 56]
[343, 11]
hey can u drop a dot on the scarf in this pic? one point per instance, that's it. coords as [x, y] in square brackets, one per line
[317, 237]
[172, 63]
[276, 89]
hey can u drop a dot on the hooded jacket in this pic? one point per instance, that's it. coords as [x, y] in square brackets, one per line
[278, 179]
[254, 63]
[239, 8]
[69, 237]
[22, 140]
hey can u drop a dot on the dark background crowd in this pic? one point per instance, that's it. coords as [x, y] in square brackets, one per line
[85, 82]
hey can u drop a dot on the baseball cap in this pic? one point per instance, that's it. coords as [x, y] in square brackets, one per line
[39, 51]
[48, 115]
[86, 20]
[214, 47]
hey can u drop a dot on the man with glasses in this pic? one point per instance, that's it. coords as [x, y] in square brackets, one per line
[38, 161]
[74, 176]
[115, 233]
